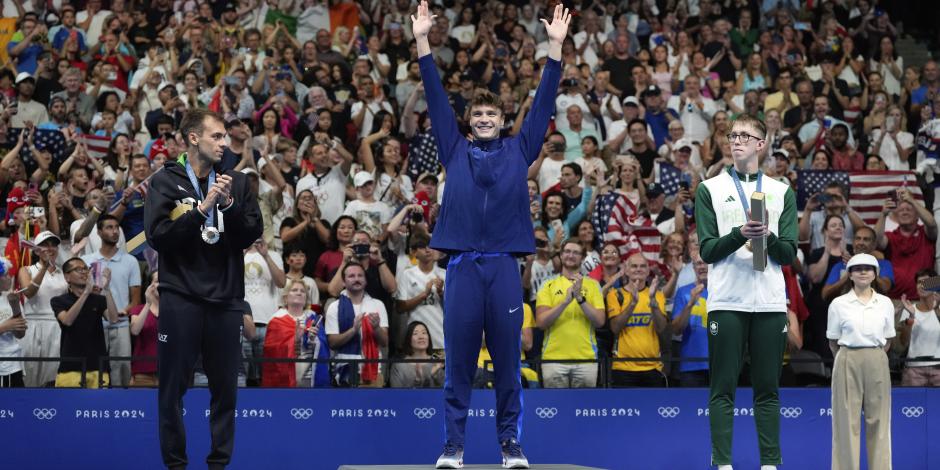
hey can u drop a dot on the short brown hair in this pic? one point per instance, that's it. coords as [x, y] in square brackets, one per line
[484, 97]
[752, 121]
[194, 121]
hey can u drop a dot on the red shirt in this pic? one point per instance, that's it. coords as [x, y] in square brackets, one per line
[849, 160]
[908, 255]
[145, 343]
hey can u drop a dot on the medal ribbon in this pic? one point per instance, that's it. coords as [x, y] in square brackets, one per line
[210, 220]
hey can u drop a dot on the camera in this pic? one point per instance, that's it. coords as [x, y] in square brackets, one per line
[540, 243]
[37, 212]
[417, 217]
[570, 82]
[361, 250]
[823, 198]
[558, 146]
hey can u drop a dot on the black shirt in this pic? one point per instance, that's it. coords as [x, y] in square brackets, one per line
[85, 337]
[645, 158]
[621, 74]
[308, 241]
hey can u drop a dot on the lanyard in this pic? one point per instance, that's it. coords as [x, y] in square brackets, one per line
[737, 185]
[210, 220]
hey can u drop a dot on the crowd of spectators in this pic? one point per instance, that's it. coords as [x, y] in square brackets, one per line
[325, 113]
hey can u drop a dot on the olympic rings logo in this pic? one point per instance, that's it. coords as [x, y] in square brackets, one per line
[668, 411]
[546, 413]
[912, 411]
[44, 413]
[791, 412]
[301, 413]
[425, 413]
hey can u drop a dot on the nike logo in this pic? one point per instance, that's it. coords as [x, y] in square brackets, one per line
[182, 189]
[513, 310]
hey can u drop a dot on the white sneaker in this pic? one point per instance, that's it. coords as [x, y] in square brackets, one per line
[452, 457]
[768, 467]
[512, 455]
[725, 467]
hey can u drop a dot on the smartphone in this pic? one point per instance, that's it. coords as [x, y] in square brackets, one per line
[232, 80]
[827, 123]
[532, 93]
[417, 217]
[891, 123]
[684, 185]
[823, 198]
[58, 186]
[32, 187]
[558, 146]
[361, 249]
[112, 76]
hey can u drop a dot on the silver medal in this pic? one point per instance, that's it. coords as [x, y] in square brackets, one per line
[210, 235]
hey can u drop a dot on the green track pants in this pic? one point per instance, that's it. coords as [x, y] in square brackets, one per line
[763, 336]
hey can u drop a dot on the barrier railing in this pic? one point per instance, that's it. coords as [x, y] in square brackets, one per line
[605, 364]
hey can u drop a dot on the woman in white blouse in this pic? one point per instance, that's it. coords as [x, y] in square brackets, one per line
[892, 142]
[859, 326]
[919, 333]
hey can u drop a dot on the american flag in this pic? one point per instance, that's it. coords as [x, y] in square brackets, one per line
[669, 178]
[615, 219]
[867, 189]
[422, 156]
[52, 139]
[96, 145]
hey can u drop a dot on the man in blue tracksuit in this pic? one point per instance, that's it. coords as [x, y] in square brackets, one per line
[484, 223]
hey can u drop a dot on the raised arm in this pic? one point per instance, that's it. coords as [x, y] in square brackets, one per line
[442, 116]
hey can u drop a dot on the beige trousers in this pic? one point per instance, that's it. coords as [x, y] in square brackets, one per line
[861, 382]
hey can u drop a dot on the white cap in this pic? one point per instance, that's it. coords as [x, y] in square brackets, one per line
[46, 236]
[362, 178]
[540, 54]
[249, 171]
[631, 100]
[23, 76]
[682, 143]
[862, 260]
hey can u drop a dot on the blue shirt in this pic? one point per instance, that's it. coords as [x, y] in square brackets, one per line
[26, 60]
[486, 201]
[133, 221]
[695, 336]
[659, 124]
[125, 273]
[884, 270]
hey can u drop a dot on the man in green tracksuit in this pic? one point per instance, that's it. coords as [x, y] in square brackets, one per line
[746, 308]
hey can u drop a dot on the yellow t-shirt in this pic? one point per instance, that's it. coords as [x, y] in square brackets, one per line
[528, 321]
[638, 338]
[572, 334]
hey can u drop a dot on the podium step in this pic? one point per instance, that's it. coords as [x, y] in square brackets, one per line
[466, 467]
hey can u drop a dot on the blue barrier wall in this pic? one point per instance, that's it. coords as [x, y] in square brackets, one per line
[322, 429]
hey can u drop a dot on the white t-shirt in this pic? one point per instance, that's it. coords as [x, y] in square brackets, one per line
[366, 128]
[9, 345]
[260, 291]
[550, 173]
[412, 283]
[404, 182]
[563, 102]
[371, 216]
[311, 20]
[540, 274]
[889, 151]
[925, 337]
[94, 28]
[329, 190]
[464, 34]
[588, 166]
[376, 74]
[39, 305]
[313, 294]
[694, 120]
[368, 305]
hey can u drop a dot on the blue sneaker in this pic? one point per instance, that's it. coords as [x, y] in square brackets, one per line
[452, 457]
[512, 455]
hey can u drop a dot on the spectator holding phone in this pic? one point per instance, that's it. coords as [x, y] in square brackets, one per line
[892, 141]
[79, 312]
[42, 281]
[830, 202]
[814, 133]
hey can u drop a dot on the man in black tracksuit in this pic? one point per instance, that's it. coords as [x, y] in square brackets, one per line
[200, 221]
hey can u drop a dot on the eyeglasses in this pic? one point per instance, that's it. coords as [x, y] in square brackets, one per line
[80, 270]
[745, 138]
